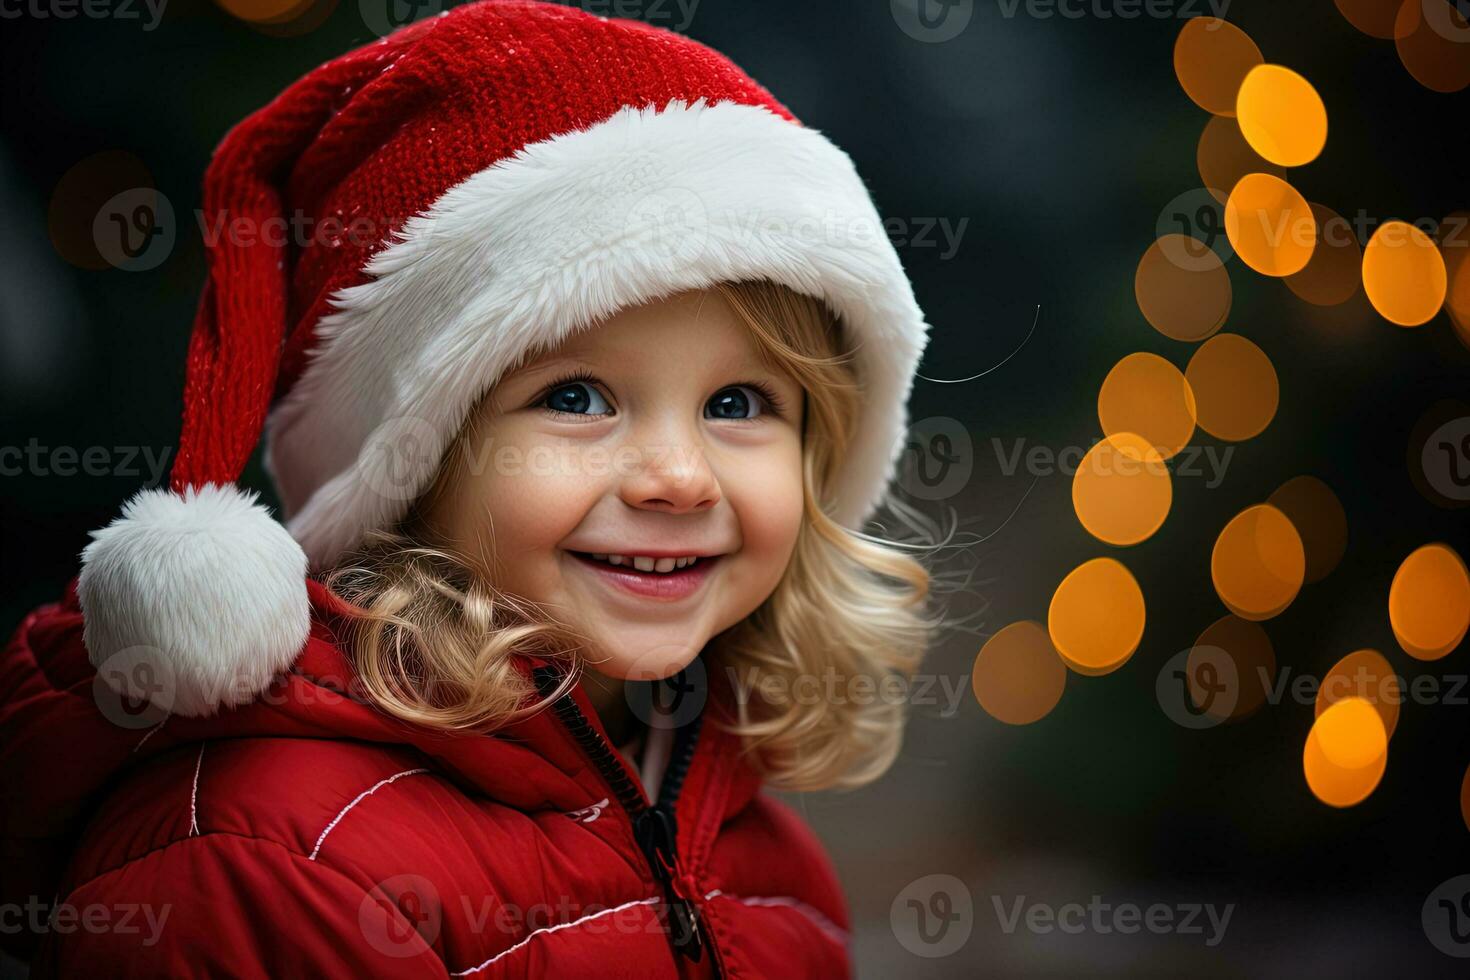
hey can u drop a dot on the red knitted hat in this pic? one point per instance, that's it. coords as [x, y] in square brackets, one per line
[401, 227]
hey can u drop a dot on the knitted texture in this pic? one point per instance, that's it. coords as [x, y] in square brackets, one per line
[373, 137]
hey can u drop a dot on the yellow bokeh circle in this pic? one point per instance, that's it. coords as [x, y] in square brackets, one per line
[1404, 274]
[1363, 674]
[1346, 753]
[1018, 677]
[1146, 394]
[1211, 59]
[1122, 490]
[1258, 563]
[1236, 391]
[1096, 617]
[1270, 225]
[1429, 602]
[1281, 115]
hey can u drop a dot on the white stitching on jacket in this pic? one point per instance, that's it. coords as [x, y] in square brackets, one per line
[547, 929]
[828, 928]
[151, 731]
[825, 925]
[194, 794]
[360, 796]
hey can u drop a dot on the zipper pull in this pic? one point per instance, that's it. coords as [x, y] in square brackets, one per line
[656, 833]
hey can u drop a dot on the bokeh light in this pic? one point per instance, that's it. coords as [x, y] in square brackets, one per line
[1318, 517]
[1457, 301]
[1212, 58]
[1018, 677]
[263, 11]
[280, 18]
[1433, 42]
[1429, 602]
[1351, 733]
[1251, 670]
[1258, 563]
[1346, 753]
[81, 194]
[1270, 225]
[1404, 274]
[1223, 157]
[1236, 392]
[1281, 115]
[1335, 271]
[1183, 300]
[1465, 799]
[1122, 490]
[1454, 247]
[1147, 395]
[1096, 617]
[1364, 674]
[1373, 17]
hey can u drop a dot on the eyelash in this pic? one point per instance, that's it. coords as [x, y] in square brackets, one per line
[774, 400]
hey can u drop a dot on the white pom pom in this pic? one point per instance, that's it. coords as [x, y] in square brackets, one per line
[207, 591]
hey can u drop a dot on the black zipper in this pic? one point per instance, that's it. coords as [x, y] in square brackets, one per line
[654, 826]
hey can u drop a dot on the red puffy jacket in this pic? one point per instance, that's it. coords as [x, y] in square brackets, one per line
[309, 834]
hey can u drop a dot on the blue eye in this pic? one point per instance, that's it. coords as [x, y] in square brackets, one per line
[735, 402]
[576, 398]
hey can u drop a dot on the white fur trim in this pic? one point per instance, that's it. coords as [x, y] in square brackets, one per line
[565, 233]
[205, 589]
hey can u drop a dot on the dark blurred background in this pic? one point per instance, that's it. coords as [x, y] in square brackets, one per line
[1055, 144]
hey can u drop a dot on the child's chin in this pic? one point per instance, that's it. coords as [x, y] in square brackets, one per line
[625, 659]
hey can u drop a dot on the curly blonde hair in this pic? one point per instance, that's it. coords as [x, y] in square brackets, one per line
[434, 642]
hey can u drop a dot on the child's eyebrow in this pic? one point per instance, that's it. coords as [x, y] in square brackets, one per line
[549, 364]
[740, 363]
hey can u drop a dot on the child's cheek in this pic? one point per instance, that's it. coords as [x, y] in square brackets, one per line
[766, 495]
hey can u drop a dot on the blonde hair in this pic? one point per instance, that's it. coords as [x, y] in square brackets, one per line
[434, 642]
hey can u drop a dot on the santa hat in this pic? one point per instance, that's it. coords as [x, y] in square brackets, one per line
[398, 229]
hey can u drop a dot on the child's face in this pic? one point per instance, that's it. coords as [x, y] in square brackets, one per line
[665, 449]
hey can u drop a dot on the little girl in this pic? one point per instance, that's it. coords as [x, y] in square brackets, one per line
[585, 369]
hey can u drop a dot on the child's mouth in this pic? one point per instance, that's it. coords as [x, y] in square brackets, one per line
[675, 584]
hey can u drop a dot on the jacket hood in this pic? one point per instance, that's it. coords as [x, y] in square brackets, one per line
[67, 738]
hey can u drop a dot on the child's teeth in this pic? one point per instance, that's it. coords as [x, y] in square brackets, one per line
[646, 564]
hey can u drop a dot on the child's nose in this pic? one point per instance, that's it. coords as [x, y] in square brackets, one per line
[673, 476]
